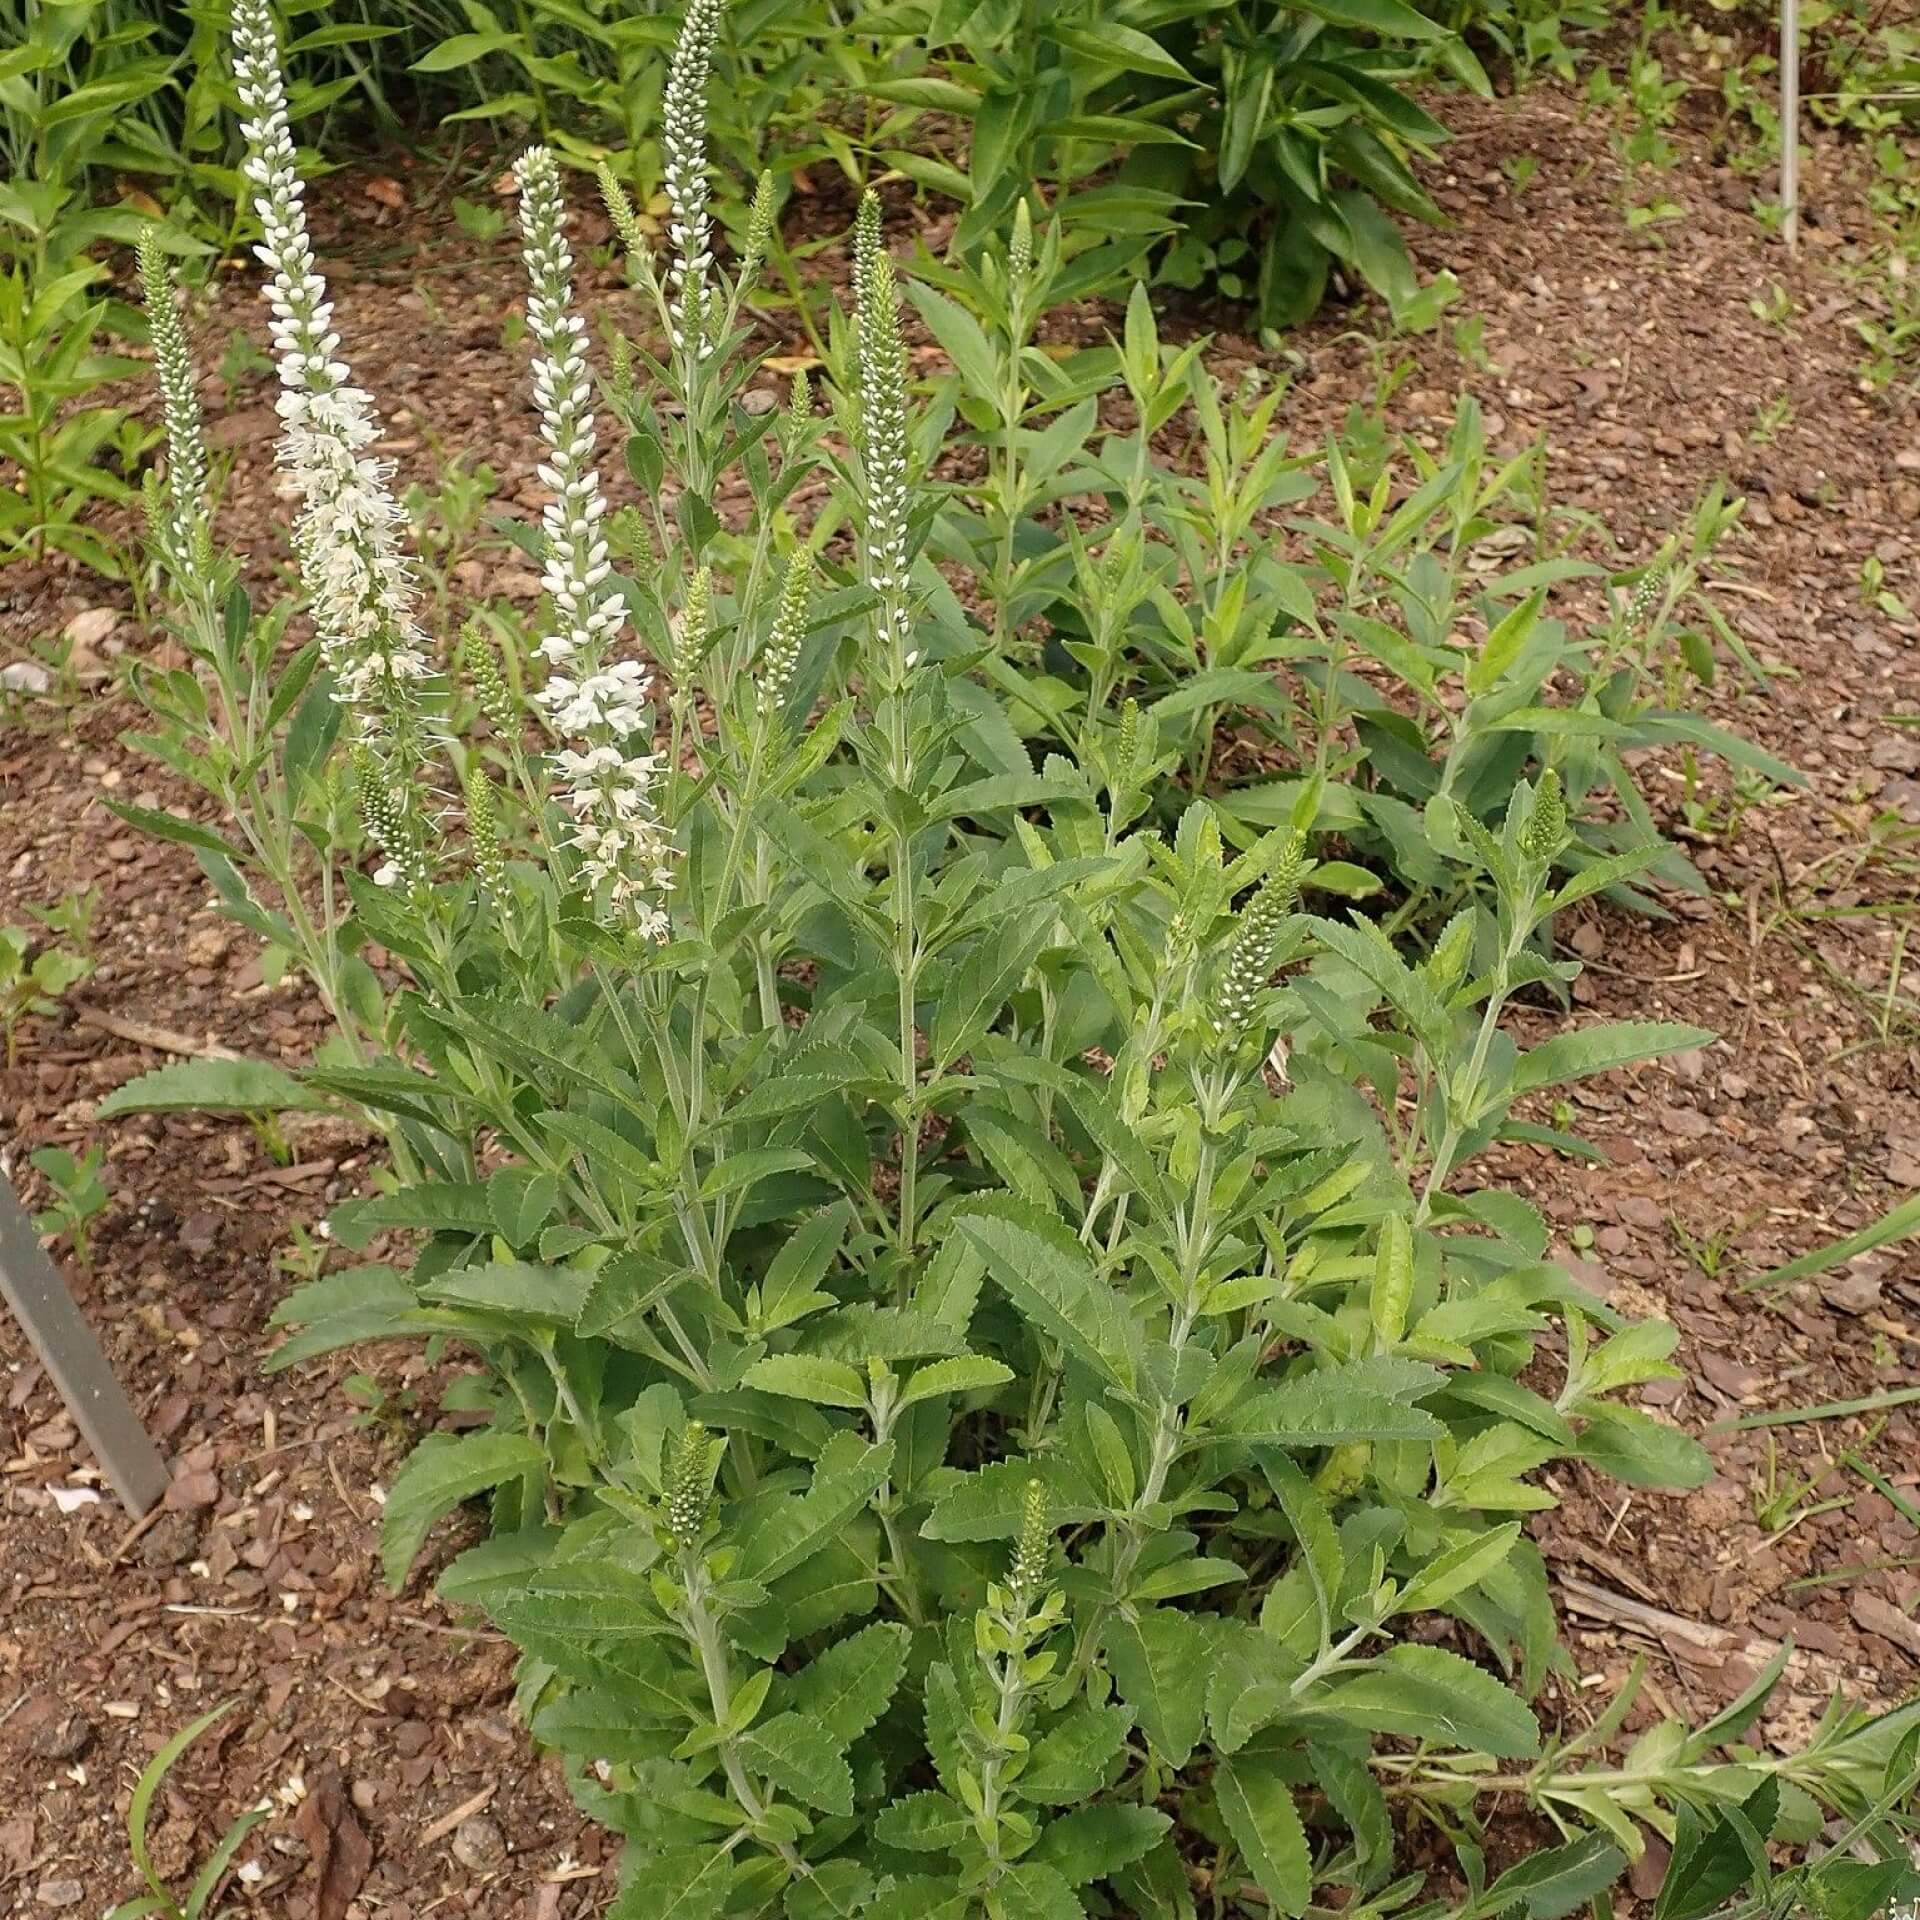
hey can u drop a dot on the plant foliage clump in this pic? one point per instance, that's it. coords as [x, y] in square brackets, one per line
[991, 1384]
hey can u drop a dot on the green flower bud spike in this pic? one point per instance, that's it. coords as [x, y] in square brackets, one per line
[1035, 1548]
[689, 1491]
[1546, 830]
[489, 683]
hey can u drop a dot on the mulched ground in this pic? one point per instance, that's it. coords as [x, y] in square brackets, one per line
[378, 1725]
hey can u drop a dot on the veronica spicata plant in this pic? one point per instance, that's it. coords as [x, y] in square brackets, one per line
[979, 1345]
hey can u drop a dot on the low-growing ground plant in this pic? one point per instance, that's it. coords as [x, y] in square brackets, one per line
[998, 1388]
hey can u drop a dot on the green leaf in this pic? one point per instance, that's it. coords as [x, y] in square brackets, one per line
[1713, 1861]
[923, 1823]
[1035, 1891]
[1617, 1043]
[798, 1754]
[849, 1686]
[1504, 644]
[514, 1289]
[1155, 1660]
[1045, 1271]
[441, 1473]
[791, 1289]
[1897, 1225]
[439, 1207]
[1332, 1409]
[1257, 1806]
[989, 1504]
[1250, 1679]
[212, 1086]
[803, 1376]
[685, 1883]
[964, 1373]
[1392, 1280]
[1557, 1880]
[789, 1535]
[833, 1890]
[167, 826]
[623, 1287]
[1112, 45]
[1071, 1761]
[522, 1199]
[1642, 1451]
[1092, 1842]
[1319, 1550]
[973, 993]
[1458, 1567]
[1426, 1693]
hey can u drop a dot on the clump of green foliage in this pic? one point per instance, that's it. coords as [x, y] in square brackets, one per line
[999, 1388]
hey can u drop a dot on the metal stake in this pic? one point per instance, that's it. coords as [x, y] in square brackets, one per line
[65, 1343]
[1790, 122]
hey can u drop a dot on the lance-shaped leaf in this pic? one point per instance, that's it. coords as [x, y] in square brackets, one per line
[1257, 1806]
[1426, 1693]
[441, 1472]
[848, 1687]
[1156, 1661]
[805, 1376]
[790, 1532]
[803, 1759]
[1050, 1277]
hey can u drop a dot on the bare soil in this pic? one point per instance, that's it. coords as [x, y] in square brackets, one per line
[370, 1719]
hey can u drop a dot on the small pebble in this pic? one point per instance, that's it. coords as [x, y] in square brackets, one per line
[59, 1893]
[65, 1737]
[479, 1845]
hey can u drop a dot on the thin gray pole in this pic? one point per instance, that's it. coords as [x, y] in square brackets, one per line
[65, 1343]
[1790, 121]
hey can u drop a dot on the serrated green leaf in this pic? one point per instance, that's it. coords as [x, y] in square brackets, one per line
[443, 1471]
[1036, 1892]
[1617, 1043]
[212, 1086]
[786, 1536]
[1250, 1678]
[1457, 1567]
[1155, 1659]
[1257, 1806]
[1426, 1693]
[1090, 1843]
[848, 1687]
[1558, 1881]
[1044, 1270]
[1072, 1759]
[805, 1376]
[803, 1759]
[923, 1823]
[964, 1373]
[685, 1883]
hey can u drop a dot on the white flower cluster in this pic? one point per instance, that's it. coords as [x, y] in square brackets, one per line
[683, 142]
[348, 532]
[883, 420]
[610, 785]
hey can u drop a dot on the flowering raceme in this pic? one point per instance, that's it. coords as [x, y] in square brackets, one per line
[348, 532]
[626, 855]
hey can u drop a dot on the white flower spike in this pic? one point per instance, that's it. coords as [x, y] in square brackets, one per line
[626, 855]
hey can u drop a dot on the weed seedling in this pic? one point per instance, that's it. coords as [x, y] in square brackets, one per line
[33, 983]
[79, 1196]
[161, 1902]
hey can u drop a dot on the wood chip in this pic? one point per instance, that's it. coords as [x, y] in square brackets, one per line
[430, 1836]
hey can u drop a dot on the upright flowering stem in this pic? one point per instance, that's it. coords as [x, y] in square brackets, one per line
[610, 775]
[347, 534]
[183, 529]
[683, 142]
[882, 359]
